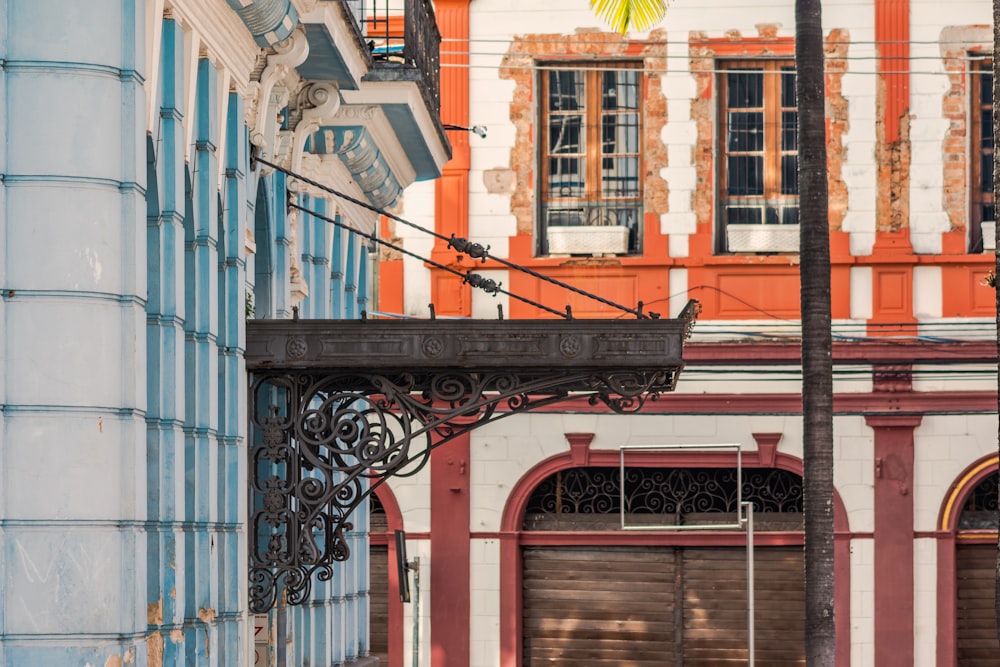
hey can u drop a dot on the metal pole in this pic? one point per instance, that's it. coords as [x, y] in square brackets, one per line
[750, 586]
[415, 566]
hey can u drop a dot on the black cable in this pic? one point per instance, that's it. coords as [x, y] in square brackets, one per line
[487, 285]
[474, 250]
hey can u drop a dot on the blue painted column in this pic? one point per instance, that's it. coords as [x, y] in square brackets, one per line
[201, 414]
[166, 206]
[233, 623]
[72, 319]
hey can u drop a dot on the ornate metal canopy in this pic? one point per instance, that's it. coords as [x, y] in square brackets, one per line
[339, 406]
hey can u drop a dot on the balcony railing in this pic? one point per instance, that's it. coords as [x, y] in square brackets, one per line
[405, 43]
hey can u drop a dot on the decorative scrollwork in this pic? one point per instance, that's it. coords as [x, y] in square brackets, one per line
[981, 510]
[323, 442]
[676, 491]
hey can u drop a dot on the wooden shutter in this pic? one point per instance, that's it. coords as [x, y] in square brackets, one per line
[715, 607]
[609, 606]
[977, 634]
[378, 602]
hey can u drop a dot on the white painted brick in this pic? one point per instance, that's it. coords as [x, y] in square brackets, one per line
[678, 244]
[925, 603]
[681, 178]
[927, 292]
[862, 603]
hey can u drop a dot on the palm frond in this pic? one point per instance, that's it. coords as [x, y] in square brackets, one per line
[624, 14]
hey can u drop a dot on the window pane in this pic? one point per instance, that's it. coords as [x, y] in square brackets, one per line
[620, 133]
[746, 89]
[986, 87]
[745, 175]
[566, 135]
[789, 174]
[989, 212]
[986, 127]
[986, 170]
[742, 216]
[566, 91]
[790, 215]
[789, 131]
[771, 215]
[788, 87]
[565, 217]
[620, 177]
[566, 178]
[620, 89]
[746, 131]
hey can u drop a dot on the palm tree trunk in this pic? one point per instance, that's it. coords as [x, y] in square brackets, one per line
[817, 354]
[996, 252]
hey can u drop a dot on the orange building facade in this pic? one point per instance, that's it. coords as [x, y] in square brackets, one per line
[651, 169]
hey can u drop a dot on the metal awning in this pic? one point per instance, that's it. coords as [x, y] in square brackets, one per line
[338, 406]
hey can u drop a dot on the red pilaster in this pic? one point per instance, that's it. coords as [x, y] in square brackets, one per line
[450, 565]
[893, 539]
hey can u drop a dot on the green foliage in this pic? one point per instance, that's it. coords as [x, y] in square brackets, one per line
[635, 14]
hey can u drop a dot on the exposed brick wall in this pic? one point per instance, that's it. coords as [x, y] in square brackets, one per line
[957, 42]
[585, 44]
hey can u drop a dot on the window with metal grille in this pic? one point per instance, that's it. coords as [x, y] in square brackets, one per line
[981, 206]
[758, 147]
[591, 167]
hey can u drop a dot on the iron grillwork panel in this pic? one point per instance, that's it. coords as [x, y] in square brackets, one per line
[337, 407]
[671, 491]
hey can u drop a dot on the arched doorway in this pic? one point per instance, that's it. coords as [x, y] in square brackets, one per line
[385, 610]
[592, 592]
[975, 575]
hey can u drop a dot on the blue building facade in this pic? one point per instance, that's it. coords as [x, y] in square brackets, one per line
[137, 236]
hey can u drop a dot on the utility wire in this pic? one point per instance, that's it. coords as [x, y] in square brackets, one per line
[487, 285]
[473, 250]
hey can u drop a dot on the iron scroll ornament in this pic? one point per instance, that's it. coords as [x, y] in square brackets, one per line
[326, 441]
[339, 406]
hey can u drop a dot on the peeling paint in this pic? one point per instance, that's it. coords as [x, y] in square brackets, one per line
[130, 656]
[154, 649]
[518, 66]
[206, 615]
[177, 636]
[113, 661]
[154, 613]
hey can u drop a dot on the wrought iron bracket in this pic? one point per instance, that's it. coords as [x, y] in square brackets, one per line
[338, 407]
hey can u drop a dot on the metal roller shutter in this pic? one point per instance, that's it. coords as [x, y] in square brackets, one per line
[598, 606]
[977, 631]
[644, 606]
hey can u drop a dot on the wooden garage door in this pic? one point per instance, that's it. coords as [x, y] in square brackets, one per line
[660, 606]
[598, 606]
[977, 630]
[378, 602]
[715, 607]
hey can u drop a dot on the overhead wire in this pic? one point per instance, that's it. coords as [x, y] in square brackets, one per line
[473, 250]
[487, 285]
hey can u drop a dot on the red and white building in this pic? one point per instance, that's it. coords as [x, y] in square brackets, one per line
[658, 168]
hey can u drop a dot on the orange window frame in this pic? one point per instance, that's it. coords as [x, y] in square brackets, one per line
[773, 151]
[980, 198]
[592, 154]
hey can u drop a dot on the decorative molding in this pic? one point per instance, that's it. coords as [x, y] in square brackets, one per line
[271, 94]
[315, 102]
[223, 35]
[579, 447]
[767, 447]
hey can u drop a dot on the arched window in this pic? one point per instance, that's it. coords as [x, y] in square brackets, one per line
[660, 597]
